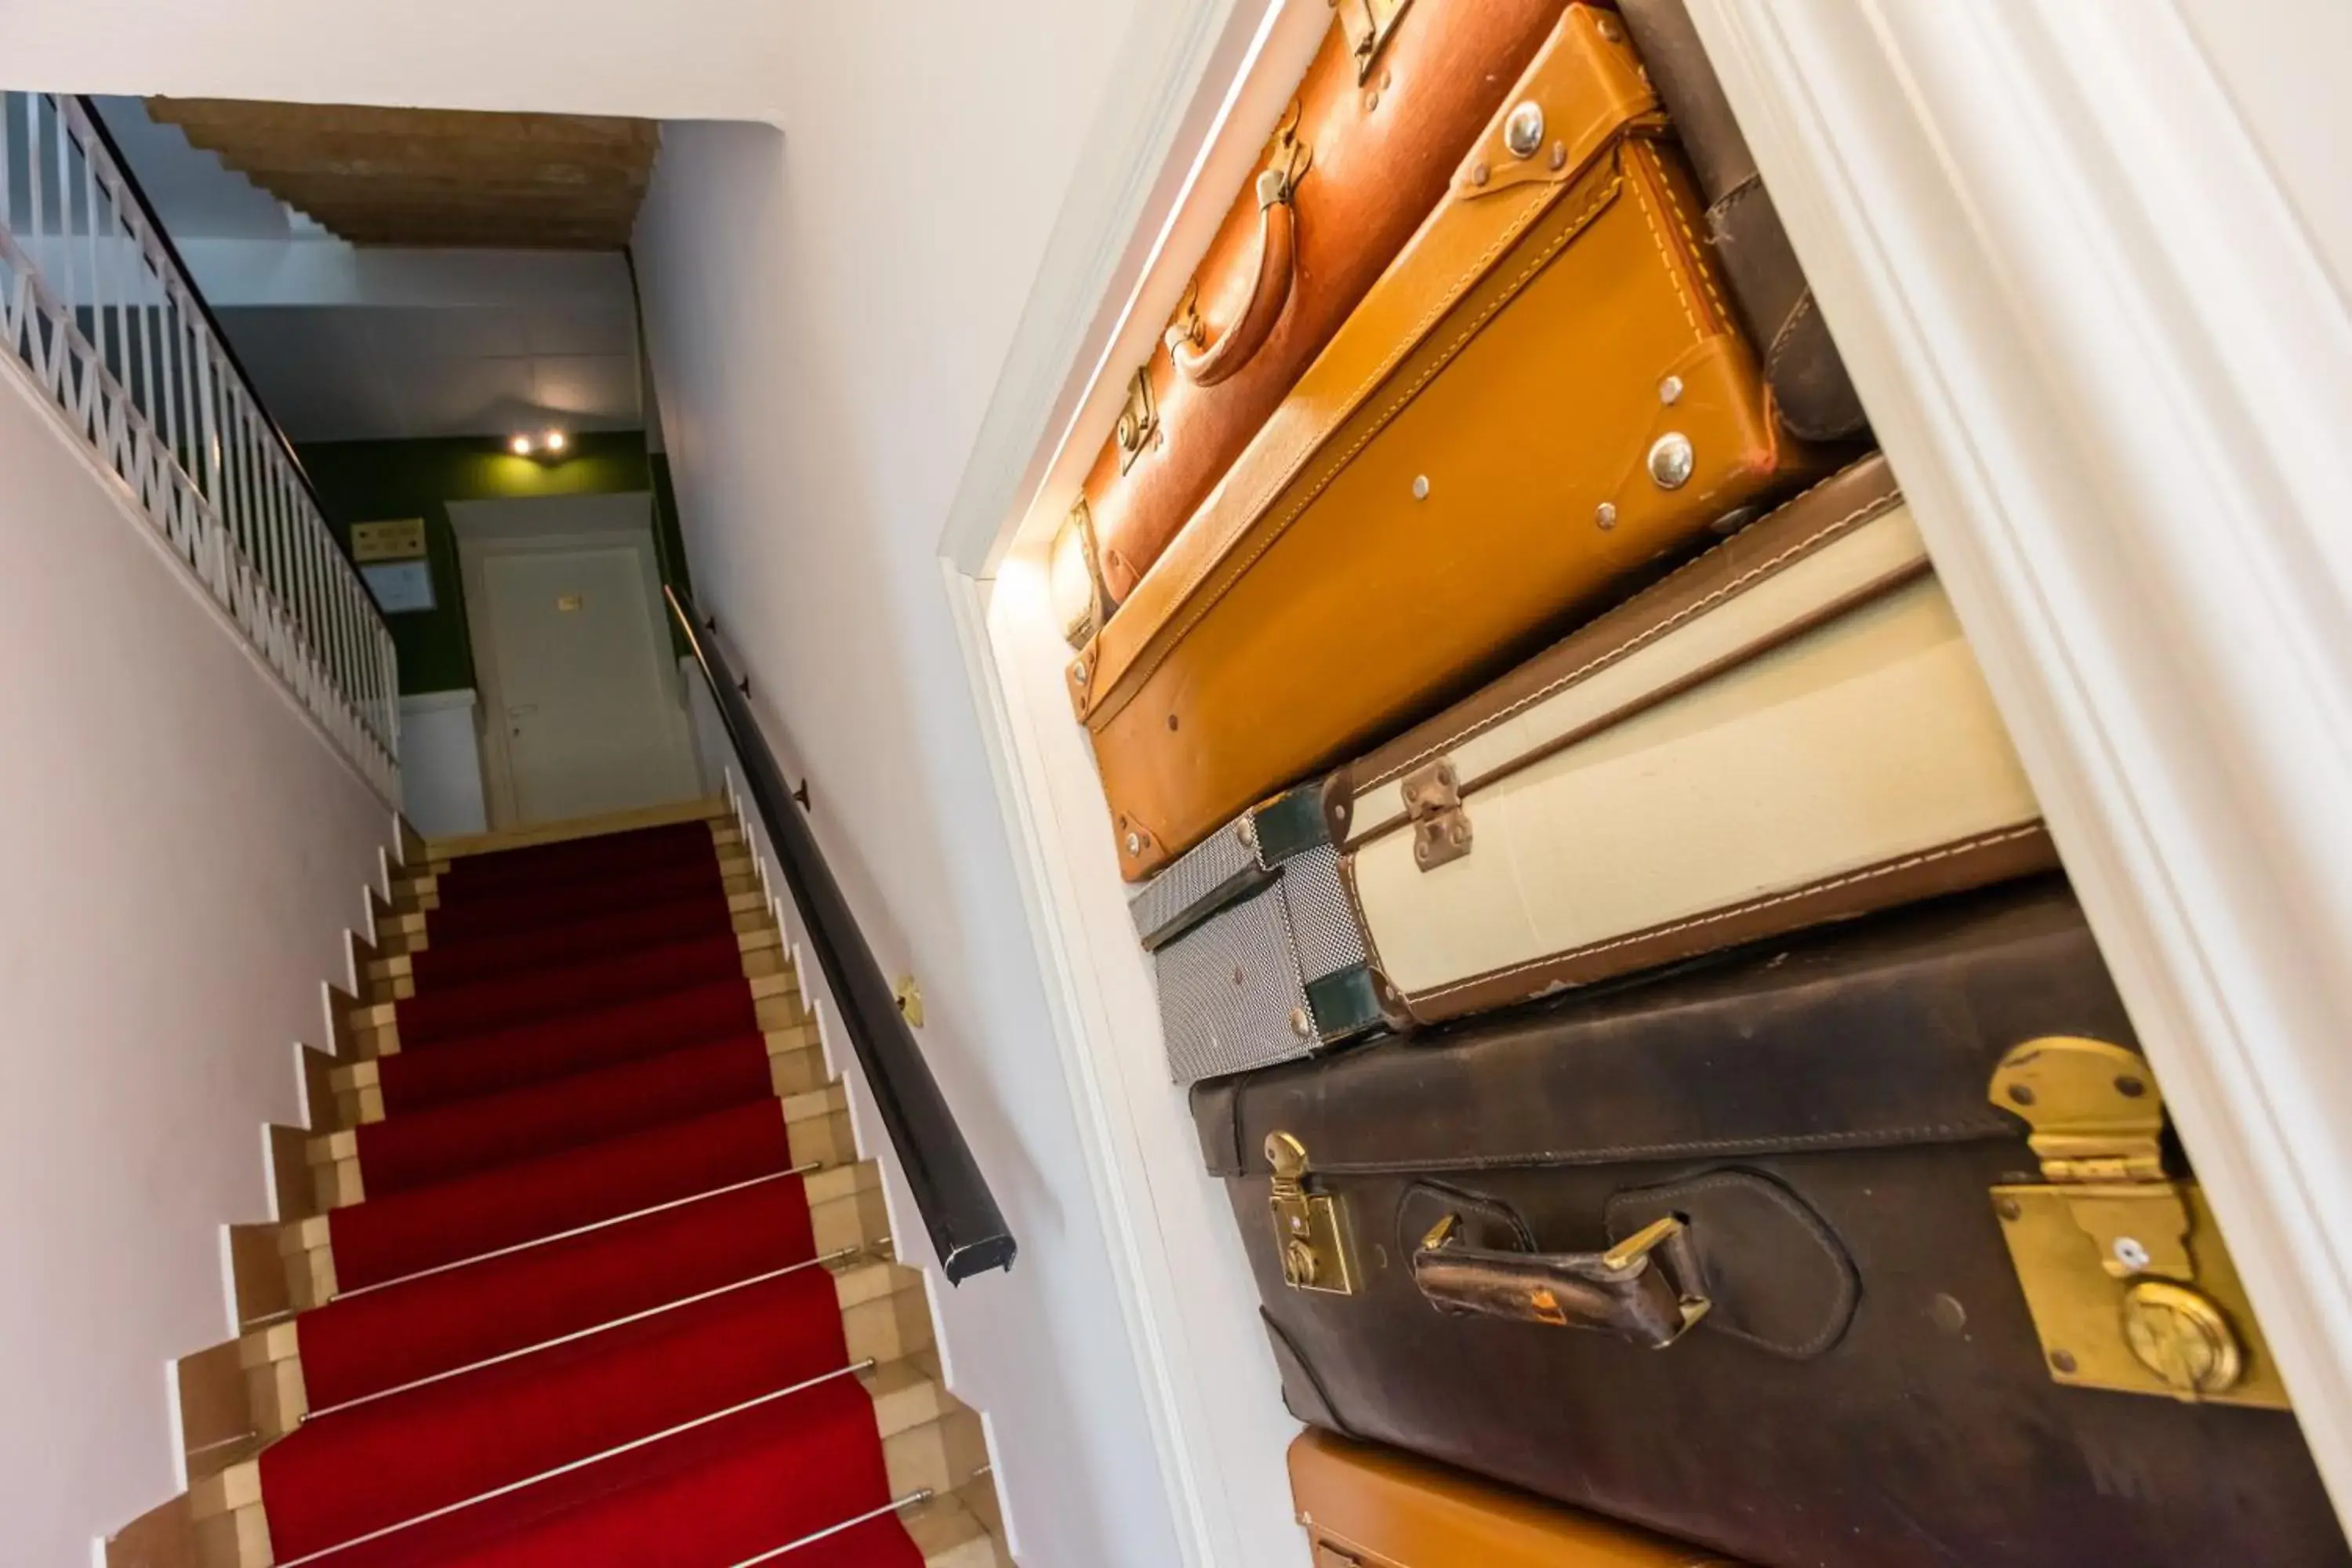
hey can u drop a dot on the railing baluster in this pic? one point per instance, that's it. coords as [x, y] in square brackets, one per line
[100, 312]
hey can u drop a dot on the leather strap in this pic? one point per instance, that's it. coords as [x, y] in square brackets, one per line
[1644, 1289]
[1205, 363]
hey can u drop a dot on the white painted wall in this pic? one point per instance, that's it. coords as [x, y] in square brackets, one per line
[441, 763]
[827, 311]
[185, 849]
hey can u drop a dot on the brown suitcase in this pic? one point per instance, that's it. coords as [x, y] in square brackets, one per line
[1809, 381]
[1390, 105]
[1365, 1507]
[1544, 393]
[1863, 1249]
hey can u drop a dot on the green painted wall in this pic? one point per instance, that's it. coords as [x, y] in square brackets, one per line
[371, 482]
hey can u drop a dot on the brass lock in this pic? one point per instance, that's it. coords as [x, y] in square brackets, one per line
[1310, 1229]
[1138, 420]
[2123, 1266]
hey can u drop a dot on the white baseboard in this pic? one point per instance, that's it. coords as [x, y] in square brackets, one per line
[441, 763]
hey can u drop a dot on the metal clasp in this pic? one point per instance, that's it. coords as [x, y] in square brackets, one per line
[1138, 422]
[1310, 1229]
[1441, 828]
[1368, 24]
[2130, 1287]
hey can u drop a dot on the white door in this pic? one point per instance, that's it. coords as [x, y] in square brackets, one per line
[572, 642]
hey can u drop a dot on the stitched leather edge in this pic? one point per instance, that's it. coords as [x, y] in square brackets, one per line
[1734, 911]
[1990, 1128]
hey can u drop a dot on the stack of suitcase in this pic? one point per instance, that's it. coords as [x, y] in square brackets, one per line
[1506, 659]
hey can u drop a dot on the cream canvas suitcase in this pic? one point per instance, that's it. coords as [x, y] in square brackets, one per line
[1790, 729]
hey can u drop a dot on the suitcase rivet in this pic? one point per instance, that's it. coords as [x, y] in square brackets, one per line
[1480, 173]
[1605, 27]
[1670, 390]
[1671, 460]
[1604, 516]
[1371, 101]
[1523, 132]
[1078, 672]
[1559, 155]
[2064, 1360]
[1135, 844]
[2021, 1094]
[2009, 1208]
[2131, 1253]
[1421, 487]
[1300, 1024]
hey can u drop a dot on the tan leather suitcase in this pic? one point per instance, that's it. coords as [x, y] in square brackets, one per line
[1544, 393]
[1389, 106]
[1366, 1507]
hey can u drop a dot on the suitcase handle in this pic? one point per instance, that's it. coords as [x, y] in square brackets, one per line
[1626, 1290]
[1204, 363]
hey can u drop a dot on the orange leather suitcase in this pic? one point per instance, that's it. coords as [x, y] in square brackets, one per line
[1373, 1507]
[1388, 107]
[1542, 393]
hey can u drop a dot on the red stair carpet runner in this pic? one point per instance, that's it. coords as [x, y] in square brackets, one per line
[581, 1317]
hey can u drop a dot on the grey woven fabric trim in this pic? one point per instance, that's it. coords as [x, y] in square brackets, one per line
[1330, 940]
[1227, 991]
[1202, 872]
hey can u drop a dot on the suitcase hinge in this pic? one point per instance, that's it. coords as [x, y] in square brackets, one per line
[1441, 828]
[1138, 422]
[1369, 23]
[1310, 1229]
[2130, 1287]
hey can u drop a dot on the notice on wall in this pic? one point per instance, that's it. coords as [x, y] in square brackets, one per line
[403, 539]
[400, 586]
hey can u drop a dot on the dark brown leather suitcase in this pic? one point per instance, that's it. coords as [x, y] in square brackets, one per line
[1396, 96]
[1757, 1253]
[1814, 397]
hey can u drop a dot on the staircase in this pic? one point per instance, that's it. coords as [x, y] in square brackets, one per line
[577, 1264]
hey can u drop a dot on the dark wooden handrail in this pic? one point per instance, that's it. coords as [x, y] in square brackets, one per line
[967, 1228]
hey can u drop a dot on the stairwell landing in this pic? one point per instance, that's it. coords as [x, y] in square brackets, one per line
[577, 1264]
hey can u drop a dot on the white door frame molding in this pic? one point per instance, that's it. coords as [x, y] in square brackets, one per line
[511, 525]
[2113, 372]
[2101, 350]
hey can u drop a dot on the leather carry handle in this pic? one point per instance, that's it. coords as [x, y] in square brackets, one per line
[1626, 1290]
[1204, 363]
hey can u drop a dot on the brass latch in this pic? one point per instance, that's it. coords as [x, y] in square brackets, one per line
[1441, 829]
[1138, 422]
[2123, 1269]
[1369, 23]
[1310, 1229]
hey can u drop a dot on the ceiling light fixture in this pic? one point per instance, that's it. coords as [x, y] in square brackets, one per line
[520, 446]
[553, 441]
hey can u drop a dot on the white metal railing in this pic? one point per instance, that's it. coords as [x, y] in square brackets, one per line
[98, 312]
